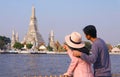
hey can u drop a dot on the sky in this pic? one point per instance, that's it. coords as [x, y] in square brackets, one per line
[63, 17]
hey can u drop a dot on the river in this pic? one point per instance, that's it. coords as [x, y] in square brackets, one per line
[19, 65]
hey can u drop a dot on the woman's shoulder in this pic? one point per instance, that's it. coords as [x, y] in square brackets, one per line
[84, 50]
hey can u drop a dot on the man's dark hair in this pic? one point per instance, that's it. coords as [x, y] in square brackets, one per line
[90, 30]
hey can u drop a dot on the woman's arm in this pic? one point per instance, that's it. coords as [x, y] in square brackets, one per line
[73, 63]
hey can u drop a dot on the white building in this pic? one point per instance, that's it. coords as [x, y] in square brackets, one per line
[51, 40]
[115, 50]
[15, 38]
[33, 36]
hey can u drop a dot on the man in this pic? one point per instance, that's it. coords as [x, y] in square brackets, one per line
[100, 55]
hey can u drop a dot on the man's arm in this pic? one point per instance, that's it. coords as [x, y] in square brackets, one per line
[88, 58]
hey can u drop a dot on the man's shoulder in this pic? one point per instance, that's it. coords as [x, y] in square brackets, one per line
[98, 41]
[100, 44]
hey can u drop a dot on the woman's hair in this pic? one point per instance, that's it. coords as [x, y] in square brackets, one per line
[84, 49]
[90, 30]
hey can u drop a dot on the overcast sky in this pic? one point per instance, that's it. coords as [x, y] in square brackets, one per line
[63, 17]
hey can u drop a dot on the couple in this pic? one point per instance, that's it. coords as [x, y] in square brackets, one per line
[81, 59]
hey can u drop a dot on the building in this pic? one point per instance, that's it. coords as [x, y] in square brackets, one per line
[115, 50]
[33, 36]
[15, 38]
[51, 40]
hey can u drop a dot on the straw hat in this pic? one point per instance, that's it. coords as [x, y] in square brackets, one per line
[74, 40]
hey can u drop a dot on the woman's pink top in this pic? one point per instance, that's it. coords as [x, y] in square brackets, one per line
[78, 67]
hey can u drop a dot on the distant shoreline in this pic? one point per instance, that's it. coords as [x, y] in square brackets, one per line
[31, 52]
[115, 53]
[39, 52]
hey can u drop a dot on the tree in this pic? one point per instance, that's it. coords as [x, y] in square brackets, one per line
[4, 41]
[29, 46]
[49, 48]
[118, 46]
[18, 45]
[61, 49]
[88, 45]
[109, 47]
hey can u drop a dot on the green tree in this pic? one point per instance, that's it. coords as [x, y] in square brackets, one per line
[61, 49]
[29, 46]
[118, 46]
[4, 41]
[18, 45]
[49, 48]
[88, 45]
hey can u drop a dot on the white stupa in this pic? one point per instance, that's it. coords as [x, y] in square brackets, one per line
[33, 36]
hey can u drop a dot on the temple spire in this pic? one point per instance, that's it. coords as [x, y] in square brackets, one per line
[52, 35]
[33, 36]
[33, 12]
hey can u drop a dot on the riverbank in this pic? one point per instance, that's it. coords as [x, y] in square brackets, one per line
[36, 52]
[31, 52]
[114, 53]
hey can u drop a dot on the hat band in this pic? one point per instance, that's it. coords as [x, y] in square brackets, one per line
[74, 42]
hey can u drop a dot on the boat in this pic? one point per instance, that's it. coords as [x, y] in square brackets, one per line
[24, 52]
[60, 53]
[38, 52]
[9, 52]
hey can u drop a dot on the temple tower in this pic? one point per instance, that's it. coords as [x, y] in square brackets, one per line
[15, 38]
[33, 36]
[51, 40]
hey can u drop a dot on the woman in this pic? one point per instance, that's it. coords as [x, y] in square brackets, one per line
[77, 67]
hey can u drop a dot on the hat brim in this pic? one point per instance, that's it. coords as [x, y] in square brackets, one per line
[67, 40]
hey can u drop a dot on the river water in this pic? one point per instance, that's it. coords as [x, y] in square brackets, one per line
[19, 65]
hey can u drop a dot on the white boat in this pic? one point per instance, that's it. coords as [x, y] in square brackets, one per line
[53, 52]
[38, 52]
[24, 52]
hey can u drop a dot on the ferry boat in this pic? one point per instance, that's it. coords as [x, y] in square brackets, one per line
[9, 52]
[38, 52]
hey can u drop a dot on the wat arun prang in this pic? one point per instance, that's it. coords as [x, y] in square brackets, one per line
[33, 36]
